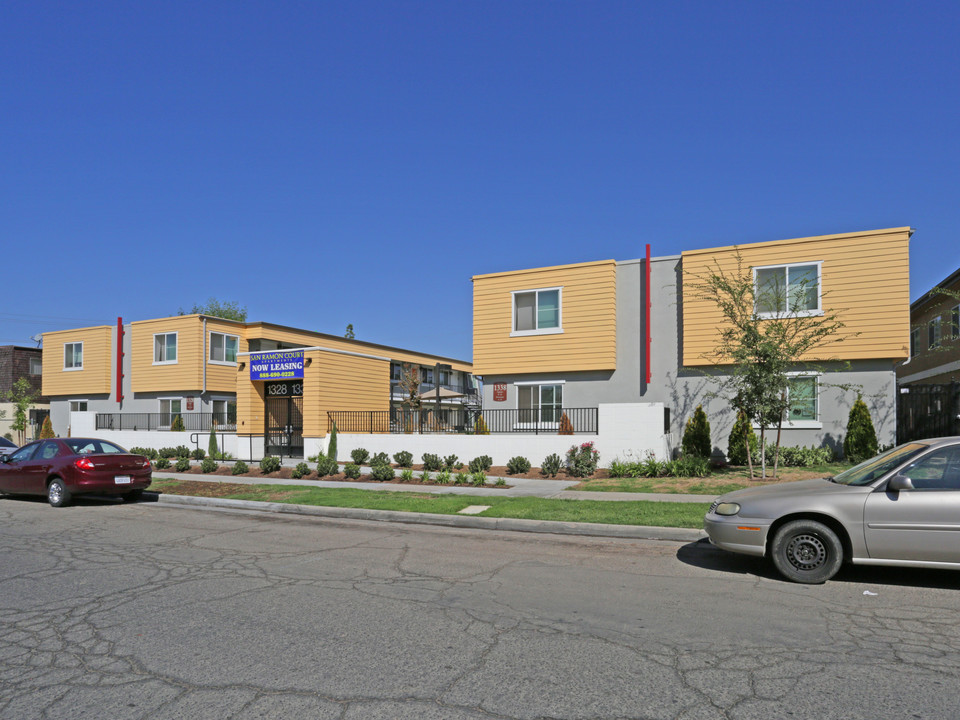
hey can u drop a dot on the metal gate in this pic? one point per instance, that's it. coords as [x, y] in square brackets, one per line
[283, 417]
[925, 411]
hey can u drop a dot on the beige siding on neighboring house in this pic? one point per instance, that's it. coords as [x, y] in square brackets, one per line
[588, 319]
[94, 378]
[865, 279]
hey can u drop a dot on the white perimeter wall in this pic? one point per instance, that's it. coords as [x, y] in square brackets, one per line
[84, 424]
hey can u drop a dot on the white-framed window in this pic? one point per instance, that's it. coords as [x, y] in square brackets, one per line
[539, 403]
[537, 312]
[224, 348]
[164, 348]
[934, 333]
[802, 391]
[224, 411]
[787, 289]
[78, 406]
[914, 341]
[169, 409]
[73, 356]
[36, 366]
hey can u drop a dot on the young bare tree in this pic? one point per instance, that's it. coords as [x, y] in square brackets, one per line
[767, 330]
[410, 385]
[22, 397]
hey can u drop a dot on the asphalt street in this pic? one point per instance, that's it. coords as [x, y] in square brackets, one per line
[151, 611]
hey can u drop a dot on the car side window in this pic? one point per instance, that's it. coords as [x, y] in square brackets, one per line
[939, 470]
[48, 450]
[24, 453]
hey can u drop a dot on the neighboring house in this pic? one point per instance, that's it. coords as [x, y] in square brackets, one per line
[561, 340]
[191, 372]
[934, 336]
[15, 363]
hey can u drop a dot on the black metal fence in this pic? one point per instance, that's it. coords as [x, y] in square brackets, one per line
[466, 421]
[925, 411]
[190, 422]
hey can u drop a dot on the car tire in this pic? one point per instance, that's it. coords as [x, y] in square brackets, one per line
[807, 551]
[57, 493]
[133, 496]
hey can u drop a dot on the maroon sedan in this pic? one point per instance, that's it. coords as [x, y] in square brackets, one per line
[64, 467]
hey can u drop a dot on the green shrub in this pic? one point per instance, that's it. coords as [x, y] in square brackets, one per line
[740, 435]
[582, 460]
[332, 445]
[183, 464]
[805, 456]
[650, 467]
[550, 465]
[620, 469]
[403, 458]
[481, 463]
[359, 456]
[177, 424]
[406, 475]
[148, 453]
[167, 452]
[688, 467]
[240, 468]
[222, 456]
[382, 473]
[461, 478]
[208, 465]
[500, 482]
[351, 471]
[696, 435]
[198, 454]
[517, 465]
[861, 441]
[269, 464]
[443, 477]
[212, 449]
[300, 470]
[182, 451]
[326, 466]
[478, 479]
[381, 458]
[452, 462]
[161, 463]
[431, 462]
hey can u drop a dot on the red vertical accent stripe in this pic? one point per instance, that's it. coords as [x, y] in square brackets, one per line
[646, 359]
[120, 360]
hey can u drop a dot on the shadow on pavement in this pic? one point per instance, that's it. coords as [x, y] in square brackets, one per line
[703, 555]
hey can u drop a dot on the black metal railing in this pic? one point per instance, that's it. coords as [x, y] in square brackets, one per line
[467, 421]
[189, 422]
[926, 411]
[426, 388]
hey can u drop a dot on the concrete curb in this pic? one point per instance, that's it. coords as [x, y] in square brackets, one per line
[639, 532]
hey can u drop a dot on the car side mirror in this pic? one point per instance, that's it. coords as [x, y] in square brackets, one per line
[898, 483]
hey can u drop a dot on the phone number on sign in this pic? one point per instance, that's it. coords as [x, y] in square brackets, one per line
[277, 375]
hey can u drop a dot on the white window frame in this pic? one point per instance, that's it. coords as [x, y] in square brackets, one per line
[536, 310]
[787, 312]
[176, 334]
[72, 368]
[226, 407]
[77, 400]
[538, 424]
[934, 333]
[789, 424]
[170, 412]
[231, 363]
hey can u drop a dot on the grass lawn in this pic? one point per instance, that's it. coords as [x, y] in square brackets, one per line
[685, 515]
[722, 480]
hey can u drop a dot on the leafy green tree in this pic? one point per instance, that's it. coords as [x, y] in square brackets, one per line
[757, 351]
[696, 435]
[742, 436]
[21, 395]
[860, 442]
[228, 310]
[212, 449]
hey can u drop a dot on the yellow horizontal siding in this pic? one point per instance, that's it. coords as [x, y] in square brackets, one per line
[347, 382]
[588, 317]
[185, 374]
[865, 279]
[94, 378]
[223, 378]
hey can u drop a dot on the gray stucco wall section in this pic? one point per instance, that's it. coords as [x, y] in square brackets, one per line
[682, 389]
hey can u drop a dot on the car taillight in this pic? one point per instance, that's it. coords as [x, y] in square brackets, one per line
[84, 463]
[145, 463]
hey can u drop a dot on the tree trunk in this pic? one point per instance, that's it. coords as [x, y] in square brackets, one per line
[763, 452]
[746, 439]
[776, 455]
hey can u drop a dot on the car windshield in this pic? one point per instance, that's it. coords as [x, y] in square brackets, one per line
[869, 470]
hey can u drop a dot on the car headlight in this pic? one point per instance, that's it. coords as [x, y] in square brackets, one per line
[727, 508]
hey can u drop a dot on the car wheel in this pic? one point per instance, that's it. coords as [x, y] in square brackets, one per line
[57, 493]
[807, 551]
[133, 496]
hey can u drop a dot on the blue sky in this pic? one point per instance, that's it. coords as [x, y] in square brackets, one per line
[330, 163]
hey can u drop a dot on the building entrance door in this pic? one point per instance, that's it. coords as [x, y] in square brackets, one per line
[283, 417]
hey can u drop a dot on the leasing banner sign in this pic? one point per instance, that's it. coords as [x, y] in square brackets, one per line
[277, 365]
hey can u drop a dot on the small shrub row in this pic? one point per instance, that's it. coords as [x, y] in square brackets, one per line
[183, 464]
[650, 467]
[432, 462]
[300, 470]
[326, 466]
[351, 471]
[481, 463]
[198, 454]
[240, 468]
[269, 464]
[148, 453]
[161, 463]
[208, 465]
[180, 451]
[403, 458]
[518, 465]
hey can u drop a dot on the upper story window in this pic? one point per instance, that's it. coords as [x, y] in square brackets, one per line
[914, 342]
[223, 348]
[537, 312]
[36, 366]
[73, 356]
[164, 348]
[787, 289]
[934, 333]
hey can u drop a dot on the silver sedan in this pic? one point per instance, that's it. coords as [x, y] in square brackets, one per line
[901, 508]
